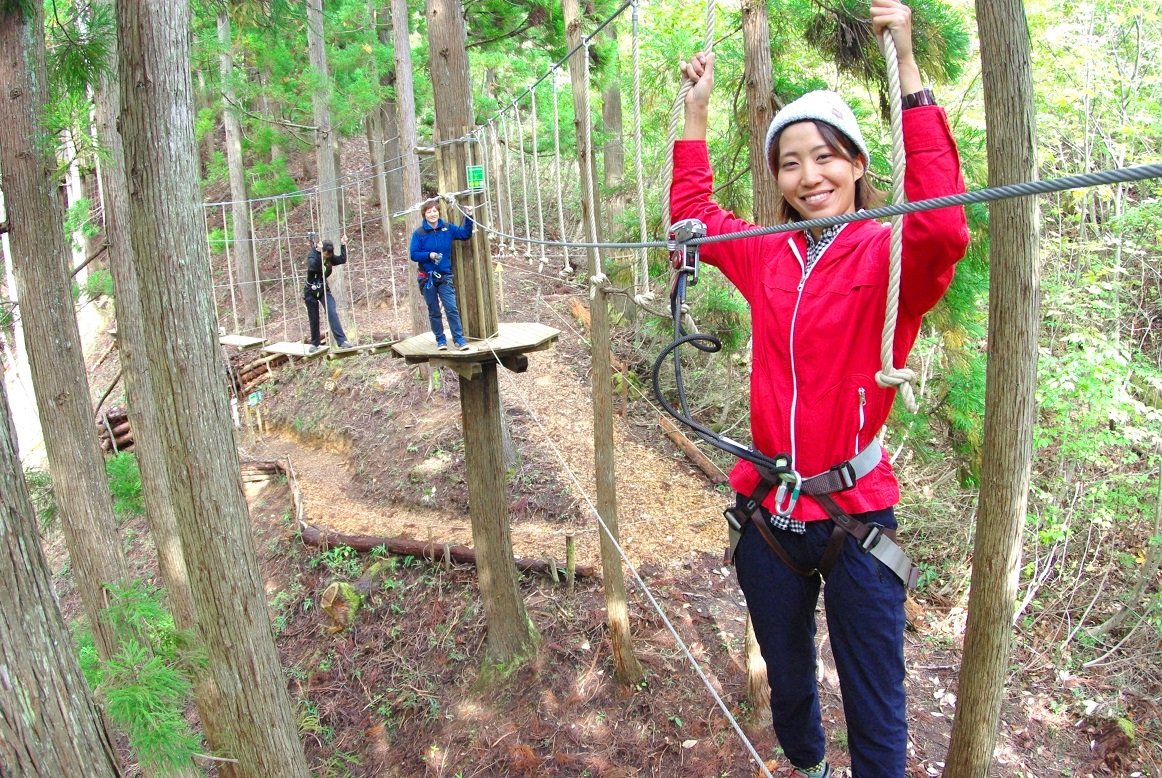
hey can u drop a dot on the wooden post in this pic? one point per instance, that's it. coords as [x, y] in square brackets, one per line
[570, 562]
[511, 634]
[627, 669]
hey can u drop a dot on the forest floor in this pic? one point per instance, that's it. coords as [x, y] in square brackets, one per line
[376, 448]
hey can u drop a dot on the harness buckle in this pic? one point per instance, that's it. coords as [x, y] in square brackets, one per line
[846, 472]
[872, 538]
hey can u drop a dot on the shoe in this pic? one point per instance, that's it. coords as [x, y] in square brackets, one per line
[313, 348]
[462, 347]
[345, 344]
[441, 346]
[821, 770]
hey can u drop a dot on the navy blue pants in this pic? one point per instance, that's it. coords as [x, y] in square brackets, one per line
[864, 603]
[437, 292]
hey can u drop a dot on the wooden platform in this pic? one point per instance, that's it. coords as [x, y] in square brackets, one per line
[242, 341]
[295, 350]
[508, 347]
[362, 348]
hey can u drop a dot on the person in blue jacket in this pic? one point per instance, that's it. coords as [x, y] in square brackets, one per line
[431, 248]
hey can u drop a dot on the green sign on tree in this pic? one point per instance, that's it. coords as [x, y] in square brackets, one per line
[475, 176]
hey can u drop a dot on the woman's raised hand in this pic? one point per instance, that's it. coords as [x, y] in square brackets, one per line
[894, 16]
[700, 71]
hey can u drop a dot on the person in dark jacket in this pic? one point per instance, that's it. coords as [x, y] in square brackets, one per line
[320, 261]
[817, 301]
[431, 249]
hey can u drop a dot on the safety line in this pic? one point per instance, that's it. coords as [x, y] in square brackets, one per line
[989, 194]
[637, 577]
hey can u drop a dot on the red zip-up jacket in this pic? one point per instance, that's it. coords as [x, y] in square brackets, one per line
[816, 334]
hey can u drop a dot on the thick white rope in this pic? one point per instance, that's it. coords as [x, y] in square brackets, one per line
[507, 178]
[667, 173]
[890, 375]
[641, 277]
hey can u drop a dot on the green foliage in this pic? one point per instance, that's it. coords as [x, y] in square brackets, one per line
[41, 493]
[147, 685]
[98, 283]
[79, 219]
[125, 484]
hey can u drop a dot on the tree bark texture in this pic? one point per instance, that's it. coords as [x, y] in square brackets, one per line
[760, 106]
[250, 719]
[586, 166]
[627, 669]
[39, 253]
[330, 227]
[241, 232]
[406, 110]
[511, 634]
[48, 723]
[613, 147]
[143, 415]
[1014, 320]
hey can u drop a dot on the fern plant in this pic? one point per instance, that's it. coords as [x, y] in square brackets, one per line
[146, 686]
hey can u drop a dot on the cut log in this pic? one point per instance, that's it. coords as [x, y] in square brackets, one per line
[691, 451]
[433, 551]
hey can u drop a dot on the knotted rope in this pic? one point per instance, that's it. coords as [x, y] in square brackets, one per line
[890, 375]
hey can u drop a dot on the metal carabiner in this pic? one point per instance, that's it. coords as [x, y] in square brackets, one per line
[683, 258]
[784, 504]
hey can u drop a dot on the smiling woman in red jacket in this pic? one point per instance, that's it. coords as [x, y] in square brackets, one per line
[817, 302]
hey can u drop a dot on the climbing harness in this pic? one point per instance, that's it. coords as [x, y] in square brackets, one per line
[776, 473]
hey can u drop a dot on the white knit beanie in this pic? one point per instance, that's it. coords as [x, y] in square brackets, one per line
[823, 106]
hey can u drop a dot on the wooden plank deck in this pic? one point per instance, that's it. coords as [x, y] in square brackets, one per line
[295, 350]
[242, 341]
[511, 339]
[362, 348]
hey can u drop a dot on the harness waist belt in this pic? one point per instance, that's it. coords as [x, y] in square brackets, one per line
[844, 475]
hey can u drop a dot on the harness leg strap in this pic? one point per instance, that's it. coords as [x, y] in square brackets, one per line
[873, 539]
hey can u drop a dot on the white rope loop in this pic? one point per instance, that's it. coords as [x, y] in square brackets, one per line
[641, 276]
[891, 376]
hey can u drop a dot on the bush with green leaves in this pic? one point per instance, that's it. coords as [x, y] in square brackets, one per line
[146, 686]
[43, 499]
[125, 485]
[99, 283]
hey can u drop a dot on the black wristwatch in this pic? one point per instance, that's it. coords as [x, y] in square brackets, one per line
[917, 99]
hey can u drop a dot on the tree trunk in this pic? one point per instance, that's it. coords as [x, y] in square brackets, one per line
[330, 227]
[406, 105]
[586, 166]
[48, 723]
[242, 234]
[511, 634]
[36, 237]
[143, 414]
[389, 113]
[250, 717]
[613, 150]
[760, 106]
[626, 667]
[1014, 316]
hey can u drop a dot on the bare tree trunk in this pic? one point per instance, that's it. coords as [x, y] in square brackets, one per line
[760, 106]
[406, 104]
[511, 634]
[250, 717]
[613, 150]
[627, 669]
[325, 136]
[1014, 317]
[48, 723]
[39, 254]
[242, 233]
[143, 414]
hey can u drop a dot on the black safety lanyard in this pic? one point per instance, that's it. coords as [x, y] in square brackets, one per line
[684, 260]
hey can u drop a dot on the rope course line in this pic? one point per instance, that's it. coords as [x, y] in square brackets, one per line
[986, 195]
